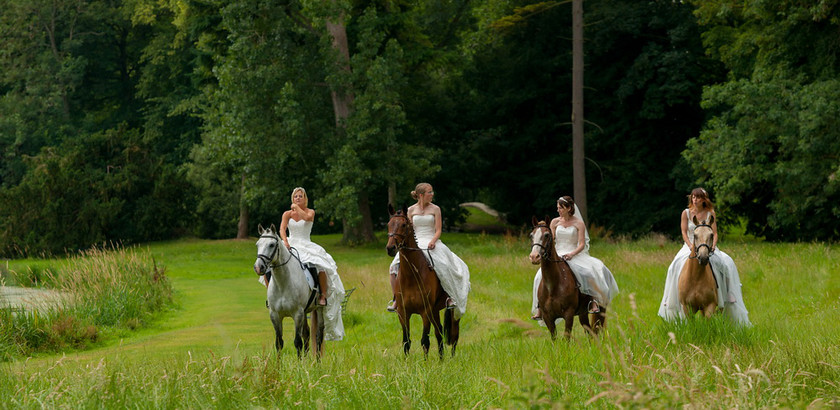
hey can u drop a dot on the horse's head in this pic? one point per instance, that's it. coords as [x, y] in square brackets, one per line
[541, 240]
[267, 249]
[703, 238]
[399, 230]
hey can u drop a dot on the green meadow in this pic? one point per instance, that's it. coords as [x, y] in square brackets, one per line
[214, 347]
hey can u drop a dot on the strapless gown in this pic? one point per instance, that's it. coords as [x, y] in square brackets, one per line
[593, 276]
[453, 273]
[313, 254]
[730, 298]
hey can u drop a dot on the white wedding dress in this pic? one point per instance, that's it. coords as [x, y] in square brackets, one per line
[593, 276]
[726, 274]
[453, 273]
[313, 254]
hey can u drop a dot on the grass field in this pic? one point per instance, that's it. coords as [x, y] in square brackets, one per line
[216, 348]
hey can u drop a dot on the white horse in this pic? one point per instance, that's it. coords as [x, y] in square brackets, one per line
[289, 293]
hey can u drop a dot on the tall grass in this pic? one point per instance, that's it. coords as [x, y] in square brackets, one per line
[97, 292]
[218, 350]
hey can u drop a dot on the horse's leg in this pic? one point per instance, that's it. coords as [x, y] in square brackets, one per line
[549, 320]
[452, 329]
[600, 320]
[424, 339]
[710, 309]
[277, 321]
[319, 337]
[569, 319]
[438, 332]
[301, 333]
[405, 323]
[314, 334]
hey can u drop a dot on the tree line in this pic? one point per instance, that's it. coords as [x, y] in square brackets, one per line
[147, 120]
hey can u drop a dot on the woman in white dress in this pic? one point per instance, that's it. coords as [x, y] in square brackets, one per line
[572, 243]
[453, 273]
[298, 220]
[730, 298]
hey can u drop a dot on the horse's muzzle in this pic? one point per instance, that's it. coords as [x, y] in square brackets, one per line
[392, 250]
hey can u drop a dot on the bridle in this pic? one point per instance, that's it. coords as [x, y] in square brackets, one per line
[545, 251]
[697, 247]
[269, 259]
[402, 237]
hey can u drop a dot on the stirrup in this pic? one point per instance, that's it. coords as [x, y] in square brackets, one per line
[392, 306]
[593, 311]
[450, 304]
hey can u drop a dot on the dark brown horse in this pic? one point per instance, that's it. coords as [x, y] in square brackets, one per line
[558, 294]
[697, 285]
[419, 290]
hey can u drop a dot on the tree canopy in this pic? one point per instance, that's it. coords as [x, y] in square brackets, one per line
[149, 120]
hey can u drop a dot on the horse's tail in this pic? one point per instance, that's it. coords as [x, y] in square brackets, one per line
[451, 327]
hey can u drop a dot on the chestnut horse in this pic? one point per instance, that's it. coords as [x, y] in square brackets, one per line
[419, 290]
[697, 283]
[558, 294]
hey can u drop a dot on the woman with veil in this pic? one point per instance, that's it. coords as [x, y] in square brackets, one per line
[572, 242]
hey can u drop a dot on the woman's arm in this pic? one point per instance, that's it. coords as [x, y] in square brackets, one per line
[307, 214]
[284, 223]
[684, 228]
[714, 231]
[438, 226]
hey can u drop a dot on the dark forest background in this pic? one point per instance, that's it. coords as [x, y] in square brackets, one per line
[146, 120]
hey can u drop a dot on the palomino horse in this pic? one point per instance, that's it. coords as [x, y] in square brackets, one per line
[420, 291]
[289, 293]
[558, 295]
[697, 284]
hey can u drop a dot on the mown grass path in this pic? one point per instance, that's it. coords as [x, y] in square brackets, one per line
[216, 348]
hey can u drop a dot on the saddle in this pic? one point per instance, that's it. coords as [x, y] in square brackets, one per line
[313, 274]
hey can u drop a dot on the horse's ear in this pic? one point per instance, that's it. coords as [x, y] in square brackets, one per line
[272, 228]
[694, 219]
[260, 229]
[391, 210]
[404, 210]
[711, 219]
[534, 220]
[547, 220]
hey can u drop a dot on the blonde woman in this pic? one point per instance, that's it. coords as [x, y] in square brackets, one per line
[298, 220]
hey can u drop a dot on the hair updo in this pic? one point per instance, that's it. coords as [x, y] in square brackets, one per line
[305, 197]
[421, 189]
[568, 203]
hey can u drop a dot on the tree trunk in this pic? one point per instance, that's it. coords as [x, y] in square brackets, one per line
[242, 232]
[578, 153]
[362, 231]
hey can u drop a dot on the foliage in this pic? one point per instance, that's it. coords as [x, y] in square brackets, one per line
[91, 189]
[771, 151]
[97, 293]
[645, 68]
